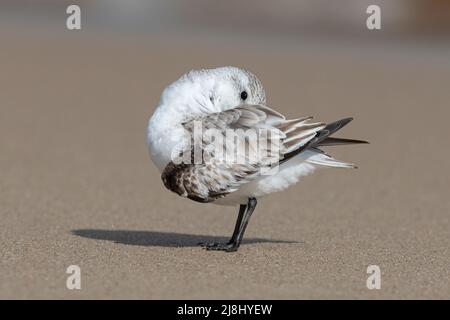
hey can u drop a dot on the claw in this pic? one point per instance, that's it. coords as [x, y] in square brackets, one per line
[208, 244]
[228, 247]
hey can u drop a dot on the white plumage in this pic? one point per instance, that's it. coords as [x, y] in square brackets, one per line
[233, 99]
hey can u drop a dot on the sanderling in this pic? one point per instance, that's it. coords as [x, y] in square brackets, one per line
[232, 101]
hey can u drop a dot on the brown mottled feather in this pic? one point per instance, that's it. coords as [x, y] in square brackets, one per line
[215, 178]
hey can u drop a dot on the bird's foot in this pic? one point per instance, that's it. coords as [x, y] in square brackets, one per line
[228, 247]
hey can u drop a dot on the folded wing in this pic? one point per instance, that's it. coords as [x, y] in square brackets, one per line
[222, 170]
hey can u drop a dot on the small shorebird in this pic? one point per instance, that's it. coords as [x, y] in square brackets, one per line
[230, 99]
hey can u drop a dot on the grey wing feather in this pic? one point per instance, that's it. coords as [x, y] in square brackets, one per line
[320, 137]
[214, 178]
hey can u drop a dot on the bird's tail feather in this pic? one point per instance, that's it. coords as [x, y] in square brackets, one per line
[332, 141]
[323, 159]
[323, 138]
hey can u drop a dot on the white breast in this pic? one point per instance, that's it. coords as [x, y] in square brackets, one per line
[164, 135]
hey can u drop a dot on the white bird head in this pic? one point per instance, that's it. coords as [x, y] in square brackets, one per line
[212, 90]
[197, 93]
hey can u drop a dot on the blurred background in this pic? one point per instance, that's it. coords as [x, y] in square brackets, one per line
[402, 19]
[77, 185]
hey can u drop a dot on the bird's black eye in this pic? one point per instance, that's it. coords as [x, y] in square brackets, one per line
[244, 95]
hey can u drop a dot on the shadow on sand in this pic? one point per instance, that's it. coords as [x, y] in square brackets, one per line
[159, 239]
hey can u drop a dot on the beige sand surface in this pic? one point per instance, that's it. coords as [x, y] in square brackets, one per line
[77, 185]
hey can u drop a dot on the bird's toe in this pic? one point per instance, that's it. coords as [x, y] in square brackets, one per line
[228, 247]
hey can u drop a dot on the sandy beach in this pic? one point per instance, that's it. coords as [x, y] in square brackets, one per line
[77, 186]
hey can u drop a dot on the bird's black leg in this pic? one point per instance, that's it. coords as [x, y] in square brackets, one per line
[245, 212]
[237, 227]
[250, 208]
